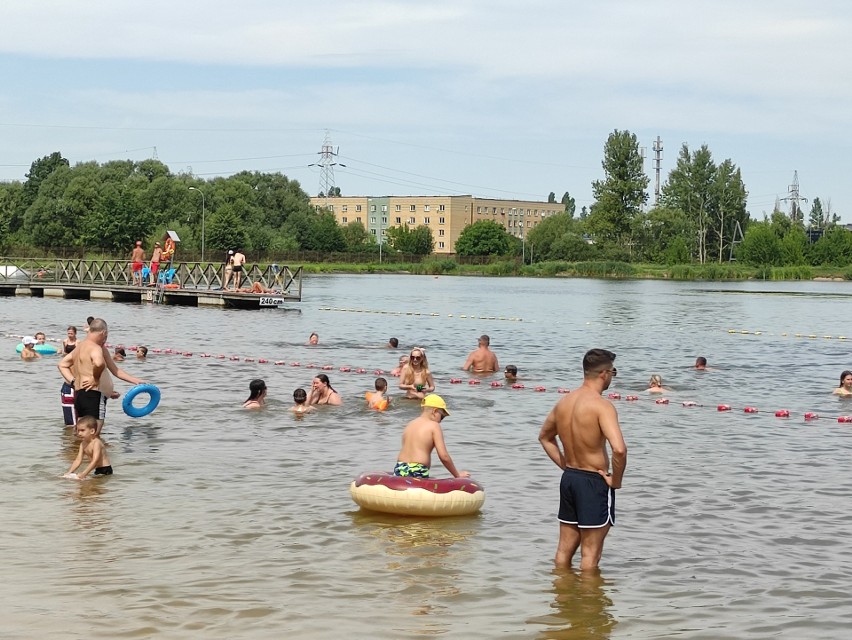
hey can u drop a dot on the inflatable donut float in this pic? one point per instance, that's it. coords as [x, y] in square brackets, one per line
[43, 348]
[387, 493]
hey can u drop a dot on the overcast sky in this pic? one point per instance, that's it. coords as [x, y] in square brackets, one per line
[495, 98]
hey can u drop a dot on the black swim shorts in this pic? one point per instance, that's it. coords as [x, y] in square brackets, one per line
[585, 499]
[89, 402]
[104, 471]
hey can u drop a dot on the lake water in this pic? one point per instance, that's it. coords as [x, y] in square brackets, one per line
[223, 523]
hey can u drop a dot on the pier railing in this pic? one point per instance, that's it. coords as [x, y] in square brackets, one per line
[116, 273]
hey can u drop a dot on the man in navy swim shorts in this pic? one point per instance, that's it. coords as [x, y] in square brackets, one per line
[583, 423]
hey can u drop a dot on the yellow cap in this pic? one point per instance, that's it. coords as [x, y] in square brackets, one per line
[435, 401]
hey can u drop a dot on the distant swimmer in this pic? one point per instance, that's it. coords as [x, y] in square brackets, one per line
[322, 392]
[482, 360]
[420, 437]
[300, 397]
[141, 353]
[313, 339]
[415, 378]
[92, 447]
[701, 363]
[40, 338]
[845, 388]
[119, 354]
[29, 352]
[511, 373]
[377, 399]
[655, 384]
[393, 343]
[584, 422]
[403, 360]
[257, 395]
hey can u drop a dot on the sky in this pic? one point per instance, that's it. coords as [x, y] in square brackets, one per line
[494, 98]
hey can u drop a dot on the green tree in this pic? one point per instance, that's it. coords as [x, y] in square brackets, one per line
[357, 239]
[417, 241]
[656, 232]
[834, 248]
[546, 234]
[794, 246]
[225, 230]
[551, 198]
[11, 210]
[570, 204]
[760, 246]
[39, 170]
[621, 194]
[484, 238]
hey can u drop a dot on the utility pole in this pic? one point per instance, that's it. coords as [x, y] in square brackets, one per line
[794, 198]
[326, 164]
[658, 158]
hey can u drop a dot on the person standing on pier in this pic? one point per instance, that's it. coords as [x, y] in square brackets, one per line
[238, 262]
[155, 261]
[137, 261]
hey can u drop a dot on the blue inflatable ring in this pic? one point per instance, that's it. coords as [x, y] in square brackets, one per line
[44, 349]
[139, 412]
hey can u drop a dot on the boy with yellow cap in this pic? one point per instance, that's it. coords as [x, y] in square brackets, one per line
[420, 437]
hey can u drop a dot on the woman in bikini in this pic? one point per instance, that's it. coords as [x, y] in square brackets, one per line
[416, 379]
[257, 395]
[70, 343]
[322, 392]
[845, 388]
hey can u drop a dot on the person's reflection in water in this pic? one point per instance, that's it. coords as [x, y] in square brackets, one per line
[581, 608]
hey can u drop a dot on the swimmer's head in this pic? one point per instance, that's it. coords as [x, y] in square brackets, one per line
[393, 342]
[119, 351]
[256, 389]
[484, 340]
[314, 339]
[656, 380]
[843, 376]
[381, 384]
[403, 360]
[511, 371]
[28, 340]
[86, 426]
[72, 331]
[300, 396]
[141, 352]
[701, 362]
[40, 338]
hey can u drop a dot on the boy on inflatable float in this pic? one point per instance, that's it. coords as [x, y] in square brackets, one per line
[409, 490]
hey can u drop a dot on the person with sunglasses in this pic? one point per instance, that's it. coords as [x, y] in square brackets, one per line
[415, 378]
[583, 422]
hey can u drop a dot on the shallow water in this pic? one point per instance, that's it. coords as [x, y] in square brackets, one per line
[222, 523]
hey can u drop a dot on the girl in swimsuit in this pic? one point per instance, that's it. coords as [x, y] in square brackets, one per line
[70, 343]
[257, 395]
[416, 379]
[845, 388]
[322, 392]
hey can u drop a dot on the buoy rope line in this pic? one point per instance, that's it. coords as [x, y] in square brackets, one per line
[808, 336]
[466, 316]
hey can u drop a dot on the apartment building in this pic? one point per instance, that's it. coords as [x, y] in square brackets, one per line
[446, 216]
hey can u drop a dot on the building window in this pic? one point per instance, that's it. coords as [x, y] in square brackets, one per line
[494, 210]
[441, 220]
[344, 220]
[359, 219]
[384, 219]
[399, 207]
[440, 232]
[440, 245]
[357, 207]
[372, 219]
[384, 208]
[425, 220]
[411, 220]
[373, 231]
[345, 208]
[441, 207]
[478, 209]
[426, 207]
[399, 220]
[411, 207]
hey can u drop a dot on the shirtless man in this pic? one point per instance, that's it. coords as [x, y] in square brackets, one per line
[83, 369]
[155, 261]
[584, 422]
[239, 261]
[137, 260]
[483, 360]
[420, 437]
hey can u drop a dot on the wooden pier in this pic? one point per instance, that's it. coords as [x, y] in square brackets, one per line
[188, 283]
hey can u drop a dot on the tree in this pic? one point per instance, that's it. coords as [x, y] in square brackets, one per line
[356, 237]
[225, 230]
[760, 246]
[39, 170]
[325, 234]
[551, 198]
[483, 238]
[417, 241]
[570, 204]
[621, 194]
[657, 233]
[834, 248]
[546, 234]
[794, 246]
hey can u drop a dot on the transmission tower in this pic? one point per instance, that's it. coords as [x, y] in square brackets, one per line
[794, 198]
[326, 164]
[658, 158]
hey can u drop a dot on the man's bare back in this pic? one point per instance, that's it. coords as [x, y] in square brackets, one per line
[482, 360]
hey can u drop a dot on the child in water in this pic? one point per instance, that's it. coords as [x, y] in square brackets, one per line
[257, 395]
[300, 397]
[511, 373]
[655, 384]
[91, 446]
[377, 399]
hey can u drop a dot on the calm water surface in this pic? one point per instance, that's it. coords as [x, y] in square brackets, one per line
[221, 523]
